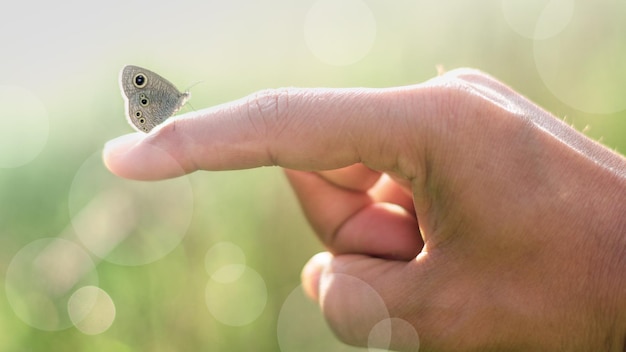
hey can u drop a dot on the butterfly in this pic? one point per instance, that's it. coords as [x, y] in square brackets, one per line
[149, 98]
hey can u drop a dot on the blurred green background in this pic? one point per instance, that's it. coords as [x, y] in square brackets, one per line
[211, 261]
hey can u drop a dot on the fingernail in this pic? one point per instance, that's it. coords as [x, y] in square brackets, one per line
[311, 274]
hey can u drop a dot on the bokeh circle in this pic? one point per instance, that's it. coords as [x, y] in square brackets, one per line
[225, 262]
[91, 310]
[239, 302]
[538, 19]
[583, 65]
[41, 278]
[24, 126]
[386, 330]
[340, 32]
[301, 327]
[128, 222]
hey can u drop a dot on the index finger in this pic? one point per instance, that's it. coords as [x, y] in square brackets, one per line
[303, 129]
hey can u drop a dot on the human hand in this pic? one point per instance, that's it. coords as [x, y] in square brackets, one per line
[477, 218]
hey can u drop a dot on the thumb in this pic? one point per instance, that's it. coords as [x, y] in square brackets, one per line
[360, 298]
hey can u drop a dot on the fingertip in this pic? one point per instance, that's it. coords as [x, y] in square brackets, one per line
[132, 156]
[312, 272]
[116, 149]
[122, 143]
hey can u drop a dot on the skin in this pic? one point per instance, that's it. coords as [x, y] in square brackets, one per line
[474, 219]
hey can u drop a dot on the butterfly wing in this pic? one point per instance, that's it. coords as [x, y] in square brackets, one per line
[150, 99]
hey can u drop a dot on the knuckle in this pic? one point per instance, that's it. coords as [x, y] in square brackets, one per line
[268, 110]
[466, 73]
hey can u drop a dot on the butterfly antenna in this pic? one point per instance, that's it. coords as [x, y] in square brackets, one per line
[187, 90]
[193, 85]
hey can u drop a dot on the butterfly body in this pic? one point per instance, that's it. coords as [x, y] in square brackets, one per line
[150, 99]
